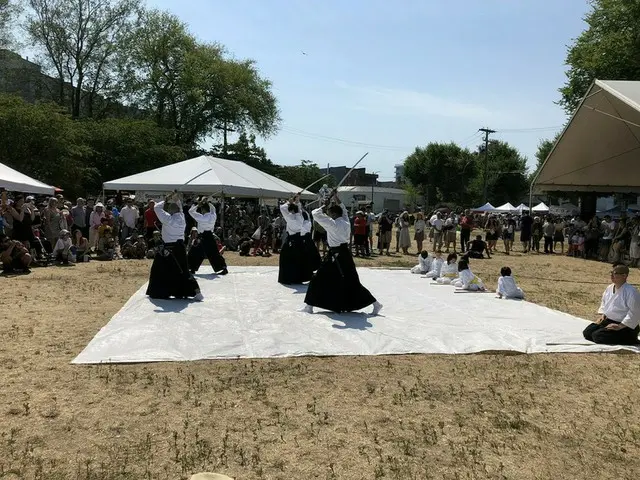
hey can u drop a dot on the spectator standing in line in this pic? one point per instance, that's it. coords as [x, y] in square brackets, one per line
[79, 215]
[466, 226]
[151, 223]
[548, 230]
[129, 218]
[95, 222]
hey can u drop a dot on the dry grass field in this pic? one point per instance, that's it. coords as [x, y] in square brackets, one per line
[488, 416]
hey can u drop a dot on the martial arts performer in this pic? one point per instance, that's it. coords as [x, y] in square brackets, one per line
[619, 312]
[449, 270]
[294, 266]
[312, 256]
[424, 263]
[436, 266]
[507, 287]
[336, 285]
[466, 279]
[207, 246]
[170, 275]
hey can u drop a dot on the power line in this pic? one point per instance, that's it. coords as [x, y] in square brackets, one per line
[302, 133]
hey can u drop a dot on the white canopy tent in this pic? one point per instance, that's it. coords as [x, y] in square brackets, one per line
[522, 208]
[506, 208]
[541, 207]
[209, 175]
[15, 181]
[599, 149]
[487, 207]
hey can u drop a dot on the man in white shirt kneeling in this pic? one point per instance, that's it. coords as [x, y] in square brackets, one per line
[619, 310]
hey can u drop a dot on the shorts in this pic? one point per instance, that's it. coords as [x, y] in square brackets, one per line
[507, 236]
[558, 237]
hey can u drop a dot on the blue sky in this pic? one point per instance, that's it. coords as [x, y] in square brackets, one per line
[384, 77]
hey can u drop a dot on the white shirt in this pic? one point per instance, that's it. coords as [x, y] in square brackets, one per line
[61, 246]
[306, 227]
[623, 305]
[507, 288]
[436, 268]
[467, 278]
[338, 230]
[437, 224]
[425, 263]
[173, 226]
[294, 220]
[449, 270]
[206, 221]
[129, 216]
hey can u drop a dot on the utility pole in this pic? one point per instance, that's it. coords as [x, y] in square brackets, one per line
[486, 131]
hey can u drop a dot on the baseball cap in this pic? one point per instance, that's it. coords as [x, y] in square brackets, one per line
[620, 270]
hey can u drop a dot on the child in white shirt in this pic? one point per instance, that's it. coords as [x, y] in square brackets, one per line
[449, 270]
[436, 267]
[467, 280]
[507, 287]
[424, 263]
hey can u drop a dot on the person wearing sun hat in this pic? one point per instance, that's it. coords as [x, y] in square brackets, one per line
[619, 312]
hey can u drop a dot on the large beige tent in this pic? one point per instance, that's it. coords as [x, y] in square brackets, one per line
[599, 150]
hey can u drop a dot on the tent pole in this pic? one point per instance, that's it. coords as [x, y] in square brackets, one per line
[531, 199]
[222, 217]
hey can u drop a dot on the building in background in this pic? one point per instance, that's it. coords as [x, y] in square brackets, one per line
[399, 173]
[392, 199]
[359, 176]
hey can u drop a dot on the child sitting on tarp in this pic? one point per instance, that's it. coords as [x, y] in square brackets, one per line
[449, 270]
[424, 263]
[507, 287]
[466, 278]
[436, 266]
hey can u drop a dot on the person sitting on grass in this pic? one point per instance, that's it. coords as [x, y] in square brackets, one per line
[62, 250]
[507, 287]
[424, 263]
[14, 255]
[477, 248]
[467, 280]
[449, 270]
[619, 312]
[436, 266]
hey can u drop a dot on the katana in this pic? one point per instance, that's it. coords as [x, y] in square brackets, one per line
[349, 172]
[317, 181]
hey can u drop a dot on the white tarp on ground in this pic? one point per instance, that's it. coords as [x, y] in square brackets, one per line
[209, 175]
[14, 181]
[248, 314]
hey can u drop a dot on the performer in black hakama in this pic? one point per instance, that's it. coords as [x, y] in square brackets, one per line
[170, 276]
[294, 266]
[312, 255]
[336, 285]
[207, 247]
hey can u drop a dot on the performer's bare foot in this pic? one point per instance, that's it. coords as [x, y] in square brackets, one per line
[377, 306]
[307, 309]
[199, 297]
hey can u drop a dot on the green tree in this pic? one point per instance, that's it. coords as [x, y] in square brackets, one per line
[9, 10]
[79, 40]
[608, 49]
[304, 174]
[121, 147]
[192, 87]
[245, 150]
[43, 142]
[507, 179]
[441, 172]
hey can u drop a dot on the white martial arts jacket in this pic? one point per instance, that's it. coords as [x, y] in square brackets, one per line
[206, 221]
[338, 230]
[173, 226]
[622, 306]
[294, 220]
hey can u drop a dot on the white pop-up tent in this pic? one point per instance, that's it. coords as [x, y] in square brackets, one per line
[487, 207]
[541, 207]
[209, 175]
[15, 181]
[522, 208]
[599, 150]
[506, 208]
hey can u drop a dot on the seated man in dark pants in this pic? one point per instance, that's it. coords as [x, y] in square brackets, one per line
[619, 310]
[477, 248]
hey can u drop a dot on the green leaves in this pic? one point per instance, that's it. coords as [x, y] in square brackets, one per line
[447, 173]
[608, 49]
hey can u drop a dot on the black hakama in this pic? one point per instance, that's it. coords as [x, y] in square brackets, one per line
[207, 248]
[170, 275]
[336, 285]
[294, 266]
[312, 256]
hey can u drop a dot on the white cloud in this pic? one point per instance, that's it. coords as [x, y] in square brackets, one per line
[409, 102]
